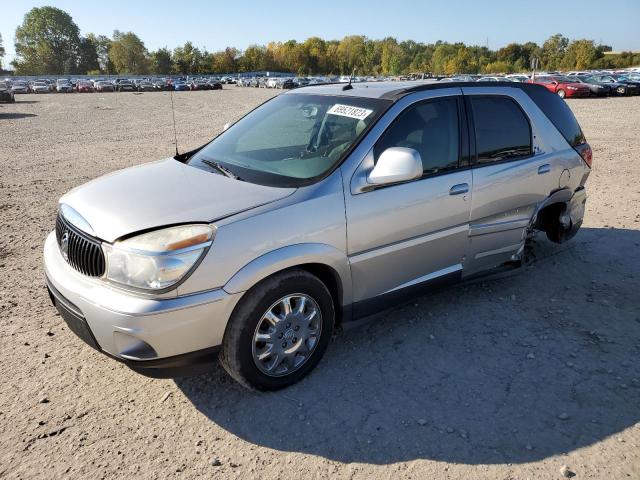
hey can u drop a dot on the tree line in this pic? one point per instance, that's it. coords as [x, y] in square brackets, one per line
[49, 42]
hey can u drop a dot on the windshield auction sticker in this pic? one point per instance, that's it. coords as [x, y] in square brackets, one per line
[349, 111]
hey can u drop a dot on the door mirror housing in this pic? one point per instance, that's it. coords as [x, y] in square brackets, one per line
[395, 165]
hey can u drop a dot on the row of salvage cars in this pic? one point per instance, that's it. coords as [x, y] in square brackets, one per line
[572, 84]
[85, 85]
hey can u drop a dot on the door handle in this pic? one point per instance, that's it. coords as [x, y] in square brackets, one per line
[459, 189]
[542, 169]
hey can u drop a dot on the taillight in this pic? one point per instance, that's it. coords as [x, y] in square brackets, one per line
[585, 152]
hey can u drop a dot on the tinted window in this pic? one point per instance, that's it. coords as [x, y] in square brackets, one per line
[431, 128]
[559, 113]
[502, 130]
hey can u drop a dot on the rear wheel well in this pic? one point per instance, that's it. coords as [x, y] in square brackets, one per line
[547, 218]
[550, 220]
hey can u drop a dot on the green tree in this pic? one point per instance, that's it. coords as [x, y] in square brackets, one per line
[160, 61]
[102, 44]
[499, 66]
[393, 58]
[443, 53]
[350, 52]
[87, 56]
[224, 61]
[2, 51]
[581, 54]
[128, 53]
[553, 51]
[254, 58]
[47, 41]
[187, 59]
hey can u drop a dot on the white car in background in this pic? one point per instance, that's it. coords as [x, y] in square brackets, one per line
[517, 77]
[40, 87]
[272, 82]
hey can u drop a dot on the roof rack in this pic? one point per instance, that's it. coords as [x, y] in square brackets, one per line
[435, 86]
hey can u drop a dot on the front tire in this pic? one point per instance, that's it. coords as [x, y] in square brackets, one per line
[279, 331]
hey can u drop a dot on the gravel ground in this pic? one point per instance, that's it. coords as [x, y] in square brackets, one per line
[532, 376]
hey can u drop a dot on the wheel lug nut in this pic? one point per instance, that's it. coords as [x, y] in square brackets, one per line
[295, 339]
[288, 325]
[296, 328]
[284, 344]
[279, 335]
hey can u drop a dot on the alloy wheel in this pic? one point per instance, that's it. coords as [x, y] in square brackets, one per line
[287, 335]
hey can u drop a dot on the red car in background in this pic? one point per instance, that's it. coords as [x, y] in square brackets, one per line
[84, 87]
[563, 86]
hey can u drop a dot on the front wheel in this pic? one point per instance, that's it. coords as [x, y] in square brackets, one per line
[279, 331]
[562, 93]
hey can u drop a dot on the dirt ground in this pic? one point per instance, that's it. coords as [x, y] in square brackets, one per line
[506, 379]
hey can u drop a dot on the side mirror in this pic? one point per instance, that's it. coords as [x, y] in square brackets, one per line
[226, 126]
[395, 165]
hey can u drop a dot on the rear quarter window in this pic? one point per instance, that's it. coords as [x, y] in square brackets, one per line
[558, 112]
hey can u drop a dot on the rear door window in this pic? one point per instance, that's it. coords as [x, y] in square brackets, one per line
[502, 130]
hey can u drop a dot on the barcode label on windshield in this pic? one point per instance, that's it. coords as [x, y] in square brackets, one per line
[349, 111]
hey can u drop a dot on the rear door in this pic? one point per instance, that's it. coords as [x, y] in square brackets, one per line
[510, 175]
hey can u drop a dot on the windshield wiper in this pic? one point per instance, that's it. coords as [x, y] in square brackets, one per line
[224, 170]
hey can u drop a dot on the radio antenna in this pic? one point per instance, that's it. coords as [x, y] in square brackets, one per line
[173, 115]
[349, 86]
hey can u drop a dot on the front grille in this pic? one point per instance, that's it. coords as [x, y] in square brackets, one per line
[80, 250]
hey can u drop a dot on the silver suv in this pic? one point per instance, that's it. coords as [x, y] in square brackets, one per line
[321, 206]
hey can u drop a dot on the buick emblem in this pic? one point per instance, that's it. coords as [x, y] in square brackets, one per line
[64, 245]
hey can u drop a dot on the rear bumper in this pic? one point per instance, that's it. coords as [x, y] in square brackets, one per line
[160, 337]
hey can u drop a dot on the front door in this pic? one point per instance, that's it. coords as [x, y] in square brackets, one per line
[410, 234]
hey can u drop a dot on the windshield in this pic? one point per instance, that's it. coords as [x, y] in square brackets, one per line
[291, 140]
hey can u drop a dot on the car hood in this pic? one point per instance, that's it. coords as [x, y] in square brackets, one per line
[161, 193]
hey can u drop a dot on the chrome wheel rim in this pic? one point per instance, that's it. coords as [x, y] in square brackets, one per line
[287, 335]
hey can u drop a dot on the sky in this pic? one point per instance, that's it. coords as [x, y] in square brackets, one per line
[214, 25]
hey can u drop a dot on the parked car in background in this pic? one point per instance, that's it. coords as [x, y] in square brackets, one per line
[162, 84]
[20, 87]
[627, 80]
[125, 85]
[272, 82]
[145, 86]
[288, 84]
[214, 84]
[597, 90]
[200, 84]
[562, 86]
[6, 94]
[84, 86]
[490, 79]
[40, 87]
[63, 85]
[319, 207]
[616, 87]
[105, 86]
[181, 86]
[517, 77]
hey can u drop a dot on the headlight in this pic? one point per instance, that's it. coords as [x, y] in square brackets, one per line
[158, 259]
